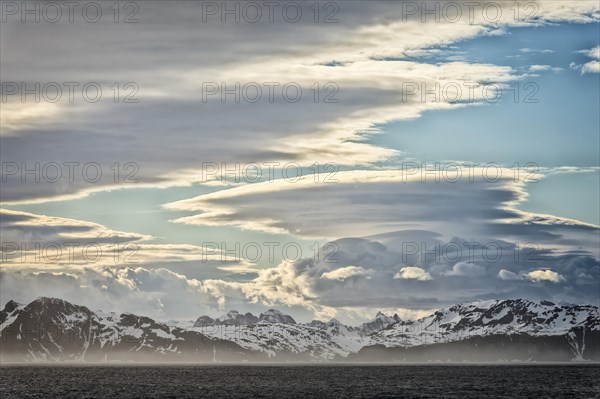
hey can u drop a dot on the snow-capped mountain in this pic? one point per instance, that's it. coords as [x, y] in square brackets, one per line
[275, 316]
[279, 336]
[56, 330]
[381, 321]
[50, 329]
[233, 318]
[486, 318]
[494, 330]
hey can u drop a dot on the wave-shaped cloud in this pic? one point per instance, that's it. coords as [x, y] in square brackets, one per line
[479, 203]
[369, 56]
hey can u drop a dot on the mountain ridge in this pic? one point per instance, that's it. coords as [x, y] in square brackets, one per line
[52, 329]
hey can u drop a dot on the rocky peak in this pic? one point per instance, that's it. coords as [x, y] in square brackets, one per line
[317, 324]
[275, 316]
[380, 322]
[11, 306]
[233, 317]
[204, 321]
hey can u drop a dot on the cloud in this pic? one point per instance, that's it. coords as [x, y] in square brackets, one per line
[538, 68]
[374, 94]
[300, 286]
[157, 293]
[542, 68]
[380, 201]
[42, 243]
[345, 273]
[366, 202]
[29, 228]
[545, 275]
[508, 275]
[534, 275]
[371, 57]
[592, 53]
[466, 269]
[590, 66]
[413, 273]
[532, 50]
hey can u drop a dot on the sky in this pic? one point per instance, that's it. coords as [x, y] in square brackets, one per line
[329, 159]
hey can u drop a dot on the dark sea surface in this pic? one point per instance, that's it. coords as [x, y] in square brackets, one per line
[401, 381]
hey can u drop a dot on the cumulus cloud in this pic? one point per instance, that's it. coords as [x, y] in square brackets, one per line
[159, 293]
[592, 53]
[156, 293]
[545, 275]
[534, 275]
[590, 66]
[466, 269]
[301, 283]
[345, 273]
[413, 273]
[508, 275]
[301, 286]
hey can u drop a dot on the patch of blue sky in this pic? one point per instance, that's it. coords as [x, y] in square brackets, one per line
[561, 129]
[139, 211]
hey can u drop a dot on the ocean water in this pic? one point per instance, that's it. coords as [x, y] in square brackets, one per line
[402, 381]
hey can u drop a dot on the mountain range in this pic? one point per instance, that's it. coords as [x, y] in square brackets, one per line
[54, 330]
